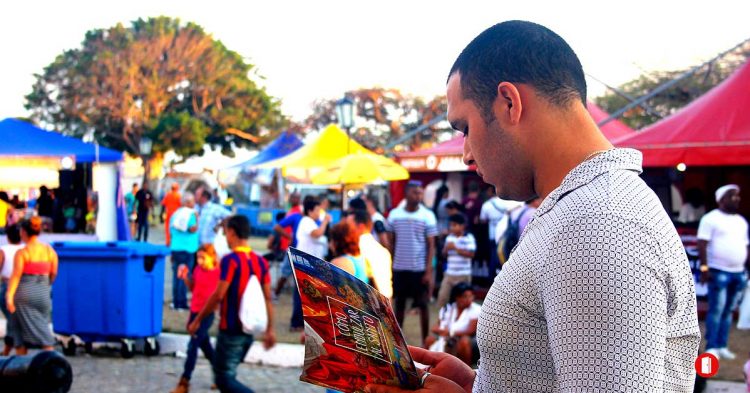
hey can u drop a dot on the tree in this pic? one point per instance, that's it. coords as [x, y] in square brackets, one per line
[382, 115]
[674, 98]
[157, 78]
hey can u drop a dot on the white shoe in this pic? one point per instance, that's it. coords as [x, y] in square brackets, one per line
[715, 352]
[727, 354]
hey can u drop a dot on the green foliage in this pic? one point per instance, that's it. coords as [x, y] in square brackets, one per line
[157, 77]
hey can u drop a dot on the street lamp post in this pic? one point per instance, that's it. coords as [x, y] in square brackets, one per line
[144, 148]
[345, 116]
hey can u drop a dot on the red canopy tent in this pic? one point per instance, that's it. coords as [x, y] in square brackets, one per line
[713, 130]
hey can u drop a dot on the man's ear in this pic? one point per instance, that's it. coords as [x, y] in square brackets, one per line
[508, 103]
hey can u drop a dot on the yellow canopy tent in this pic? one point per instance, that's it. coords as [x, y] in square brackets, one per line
[360, 168]
[311, 158]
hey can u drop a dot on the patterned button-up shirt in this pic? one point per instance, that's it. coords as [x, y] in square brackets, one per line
[597, 296]
[209, 216]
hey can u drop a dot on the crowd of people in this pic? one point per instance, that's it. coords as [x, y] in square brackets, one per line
[61, 212]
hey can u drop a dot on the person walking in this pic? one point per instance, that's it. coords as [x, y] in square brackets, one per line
[725, 258]
[183, 225]
[28, 296]
[145, 202]
[232, 343]
[202, 281]
[169, 204]
[7, 260]
[211, 216]
[377, 256]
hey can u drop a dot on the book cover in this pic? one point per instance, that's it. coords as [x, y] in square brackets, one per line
[352, 338]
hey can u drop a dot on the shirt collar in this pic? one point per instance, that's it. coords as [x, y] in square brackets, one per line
[587, 171]
[245, 250]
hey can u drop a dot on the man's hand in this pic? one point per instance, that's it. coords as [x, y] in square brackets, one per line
[269, 339]
[11, 306]
[433, 383]
[427, 277]
[194, 326]
[182, 272]
[450, 246]
[449, 374]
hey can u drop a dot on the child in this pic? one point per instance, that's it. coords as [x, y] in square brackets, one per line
[459, 249]
[277, 244]
[203, 283]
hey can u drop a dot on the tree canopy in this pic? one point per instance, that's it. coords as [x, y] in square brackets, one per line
[382, 115]
[158, 77]
[674, 98]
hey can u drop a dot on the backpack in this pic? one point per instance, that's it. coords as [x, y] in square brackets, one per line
[511, 237]
[252, 311]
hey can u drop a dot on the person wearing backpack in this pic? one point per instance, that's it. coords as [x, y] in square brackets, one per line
[237, 270]
[510, 228]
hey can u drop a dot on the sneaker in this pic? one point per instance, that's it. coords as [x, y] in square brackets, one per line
[715, 352]
[183, 386]
[727, 354]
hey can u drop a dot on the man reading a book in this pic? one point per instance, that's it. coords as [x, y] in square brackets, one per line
[598, 294]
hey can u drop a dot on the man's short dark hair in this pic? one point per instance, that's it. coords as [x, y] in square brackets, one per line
[413, 184]
[357, 204]
[309, 204]
[519, 52]
[206, 194]
[459, 219]
[240, 225]
[453, 205]
[13, 232]
[361, 217]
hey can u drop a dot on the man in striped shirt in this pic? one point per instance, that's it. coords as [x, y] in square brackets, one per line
[414, 231]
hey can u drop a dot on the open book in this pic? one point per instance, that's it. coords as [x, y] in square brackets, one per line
[352, 337]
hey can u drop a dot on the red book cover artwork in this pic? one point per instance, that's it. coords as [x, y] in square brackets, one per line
[352, 338]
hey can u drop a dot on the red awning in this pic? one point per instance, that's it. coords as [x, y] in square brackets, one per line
[713, 130]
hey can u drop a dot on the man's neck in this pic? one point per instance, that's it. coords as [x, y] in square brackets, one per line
[575, 138]
[241, 243]
[412, 208]
[726, 211]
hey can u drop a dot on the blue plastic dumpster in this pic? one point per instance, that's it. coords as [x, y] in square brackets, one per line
[109, 291]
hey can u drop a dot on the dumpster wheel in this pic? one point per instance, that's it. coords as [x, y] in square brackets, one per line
[69, 347]
[127, 349]
[151, 347]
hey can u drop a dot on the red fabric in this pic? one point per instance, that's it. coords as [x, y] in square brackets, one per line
[40, 268]
[713, 130]
[205, 282]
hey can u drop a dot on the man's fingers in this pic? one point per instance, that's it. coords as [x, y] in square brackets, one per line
[424, 356]
[384, 389]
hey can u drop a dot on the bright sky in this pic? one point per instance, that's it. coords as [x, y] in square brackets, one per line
[320, 49]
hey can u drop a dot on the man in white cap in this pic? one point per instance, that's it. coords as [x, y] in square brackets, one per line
[723, 247]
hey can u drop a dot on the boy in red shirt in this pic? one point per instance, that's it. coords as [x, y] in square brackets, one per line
[232, 344]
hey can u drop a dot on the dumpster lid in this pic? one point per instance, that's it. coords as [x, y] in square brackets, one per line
[127, 248]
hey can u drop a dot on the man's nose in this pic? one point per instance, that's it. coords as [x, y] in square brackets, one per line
[468, 156]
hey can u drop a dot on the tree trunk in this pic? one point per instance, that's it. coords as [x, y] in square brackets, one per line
[146, 170]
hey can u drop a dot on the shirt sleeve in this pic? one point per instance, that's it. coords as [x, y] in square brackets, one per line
[266, 278]
[470, 244]
[431, 224]
[705, 228]
[228, 267]
[605, 294]
[287, 221]
[379, 227]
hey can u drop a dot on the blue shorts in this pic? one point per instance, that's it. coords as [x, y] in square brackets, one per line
[286, 266]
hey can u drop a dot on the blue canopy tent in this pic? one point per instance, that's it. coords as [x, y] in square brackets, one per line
[22, 139]
[282, 146]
